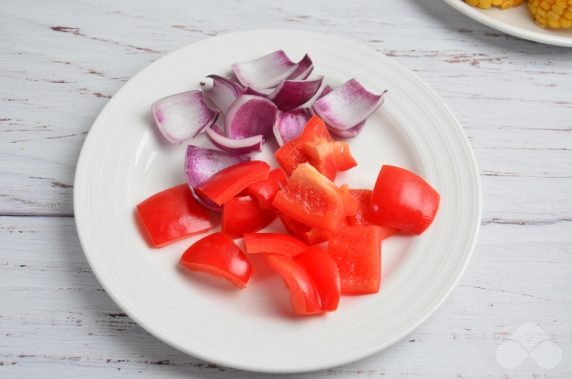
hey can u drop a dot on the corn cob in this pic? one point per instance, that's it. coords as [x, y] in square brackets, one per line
[552, 13]
[503, 4]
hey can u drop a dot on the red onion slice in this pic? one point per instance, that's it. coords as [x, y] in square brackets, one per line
[181, 116]
[289, 125]
[264, 72]
[327, 89]
[259, 92]
[241, 146]
[291, 94]
[249, 116]
[303, 69]
[202, 163]
[347, 106]
[223, 92]
[348, 133]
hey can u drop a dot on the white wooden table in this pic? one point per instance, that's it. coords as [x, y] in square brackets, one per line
[60, 62]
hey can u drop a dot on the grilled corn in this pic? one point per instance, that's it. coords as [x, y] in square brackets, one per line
[503, 4]
[552, 13]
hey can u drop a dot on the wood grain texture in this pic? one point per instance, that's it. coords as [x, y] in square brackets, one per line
[61, 61]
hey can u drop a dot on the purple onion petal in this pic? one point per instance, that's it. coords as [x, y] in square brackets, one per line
[223, 92]
[347, 106]
[259, 92]
[202, 163]
[327, 89]
[241, 146]
[348, 133]
[264, 72]
[180, 116]
[289, 125]
[249, 116]
[303, 69]
[291, 94]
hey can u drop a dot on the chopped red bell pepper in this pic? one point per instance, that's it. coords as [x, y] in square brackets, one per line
[329, 157]
[265, 190]
[362, 216]
[218, 255]
[312, 199]
[275, 243]
[305, 233]
[304, 296]
[290, 155]
[325, 275]
[171, 215]
[243, 215]
[316, 146]
[403, 200]
[351, 203]
[357, 252]
[227, 183]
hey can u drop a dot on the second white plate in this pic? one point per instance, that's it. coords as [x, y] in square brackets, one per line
[123, 161]
[515, 21]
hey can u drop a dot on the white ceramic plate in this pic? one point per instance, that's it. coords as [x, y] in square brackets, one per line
[123, 161]
[515, 21]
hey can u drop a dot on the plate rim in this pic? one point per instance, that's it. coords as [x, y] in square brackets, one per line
[81, 162]
[480, 16]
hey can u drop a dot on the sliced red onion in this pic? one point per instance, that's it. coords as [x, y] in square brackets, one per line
[348, 133]
[223, 92]
[249, 116]
[241, 146]
[347, 106]
[291, 94]
[259, 92]
[202, 163]
[182, 116]
[327, 89]
[264, 72]
[303, 69]
[289, 125]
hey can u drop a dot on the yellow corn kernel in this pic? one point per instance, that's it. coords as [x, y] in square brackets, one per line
[486, 4]
[555, 14]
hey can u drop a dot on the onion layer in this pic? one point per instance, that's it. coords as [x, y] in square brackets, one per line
[249, 116]
[223, 92]
[348, 133]
[264, 72]
[347, 106]
[182, 116]
[291, 94]
[241, 146]
[289, 125]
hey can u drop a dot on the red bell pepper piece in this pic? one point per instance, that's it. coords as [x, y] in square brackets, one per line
[362, 216]
[171, 215]
[265, 190]
[329, 157]
[218, 255]
[243, 215]
[403, 200]
[357, 252]
[227, 183]
[304, 296]
[305, 233]
[351, 203]
[316, 146]
[324, 273]
[275, 243]
[312, 199]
